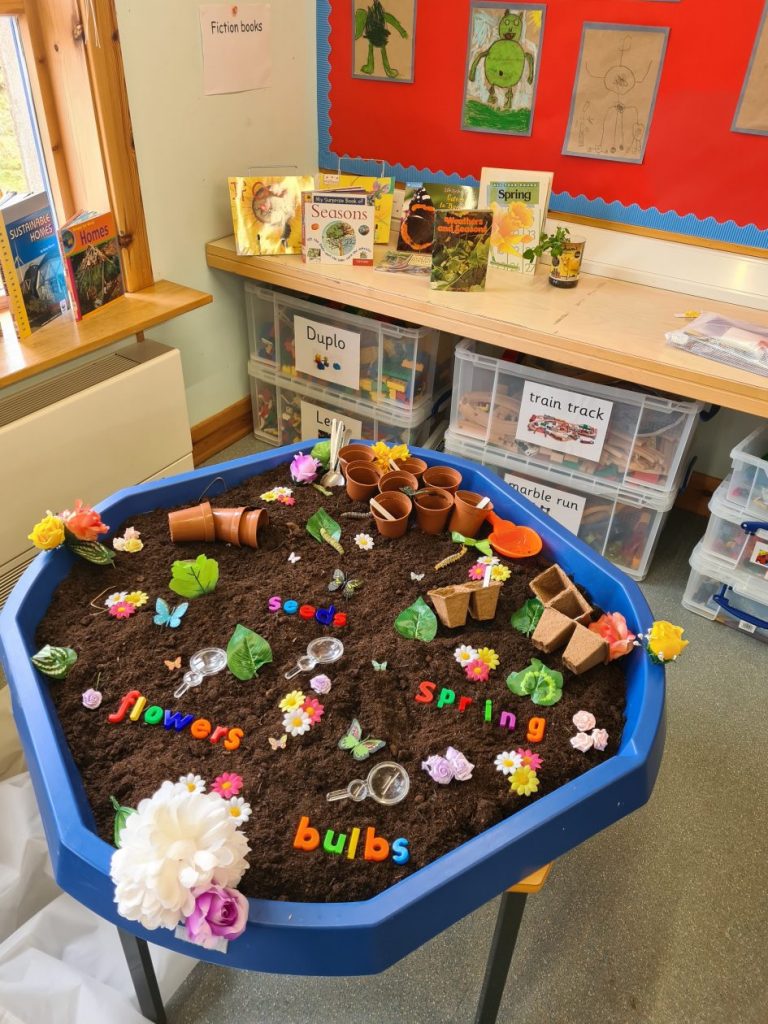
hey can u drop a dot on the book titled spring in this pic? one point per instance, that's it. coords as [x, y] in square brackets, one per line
[460, 251]
[338, 227]
[519, 200]
[92, 261]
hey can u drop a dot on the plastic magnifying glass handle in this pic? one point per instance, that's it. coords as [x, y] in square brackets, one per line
[190, 679]
[304, 664]
[357, 790]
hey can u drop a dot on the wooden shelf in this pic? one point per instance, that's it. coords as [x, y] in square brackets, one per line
[66, 339]
[607, 326]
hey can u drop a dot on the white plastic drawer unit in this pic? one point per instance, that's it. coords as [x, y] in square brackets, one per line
[748, 487]
[582, 427]
[381, 361]
[731, 599]
[735, 542]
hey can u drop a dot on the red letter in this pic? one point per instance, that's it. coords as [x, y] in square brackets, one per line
[464, 703]
[217, 733]
[307, 611]
[232, 742]
[130, 698]
[306, 838]
[426, 692]
[376, 848]
[340, 619]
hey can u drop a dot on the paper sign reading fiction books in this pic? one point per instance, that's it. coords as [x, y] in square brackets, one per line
[326, 352]
[564, 421]
[316, 422]
[236, 47]
[564, 506]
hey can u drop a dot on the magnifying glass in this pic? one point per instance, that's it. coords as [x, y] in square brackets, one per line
[206, 662]
[387, 783]
[321, 651]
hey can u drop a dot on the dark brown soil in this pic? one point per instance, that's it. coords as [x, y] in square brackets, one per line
[131, 759]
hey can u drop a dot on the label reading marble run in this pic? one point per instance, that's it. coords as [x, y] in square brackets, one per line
[564, 506]
[564, 421]
[316, 422]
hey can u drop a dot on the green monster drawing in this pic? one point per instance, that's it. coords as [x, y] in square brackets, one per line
[505, 60]
[371, 23]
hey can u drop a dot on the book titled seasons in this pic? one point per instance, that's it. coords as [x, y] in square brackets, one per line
[92, 260]
[338, 227]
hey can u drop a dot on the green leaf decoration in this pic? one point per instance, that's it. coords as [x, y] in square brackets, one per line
[526, 618]
[194, 577]
[548, 691]
[320, 521]
[322, 452]
[91, 550]
[417, 622]
[121, 816]
[54, 661]
[483, 546]
[542, 684]
[247, 652]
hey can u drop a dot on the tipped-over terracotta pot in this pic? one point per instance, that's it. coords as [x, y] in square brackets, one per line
[396, 480]
[412, 465]
[254, 519]
[362, 480]
[451, 604]
[442, 476]
[483, 600]
[227, 524]
[398, 505]
[195, 523]
[433, 507]
[354, 453]
[467, 518]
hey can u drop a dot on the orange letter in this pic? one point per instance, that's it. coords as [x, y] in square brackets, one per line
[426, 692]
[200, 728]
[376, 848]
[306, 838]
[536, 728]
[232, 742]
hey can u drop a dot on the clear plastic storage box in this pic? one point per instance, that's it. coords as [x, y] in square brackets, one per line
[386, 362]
[586, 429]
[622, 525]
[287, 411]
[731, 598]
[748, 488]
[735, 542]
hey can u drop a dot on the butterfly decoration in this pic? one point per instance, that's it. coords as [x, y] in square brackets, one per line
[417, 576]
[166, 616]
[340, 582]
[293, 558]
[379, 666]
[278, 744]
[361, 748]
[172, 665]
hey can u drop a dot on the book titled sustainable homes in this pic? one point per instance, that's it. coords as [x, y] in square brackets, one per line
[92, 260]
[338, 227]
[519, 201]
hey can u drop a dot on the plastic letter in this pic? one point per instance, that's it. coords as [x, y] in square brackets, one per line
[464, 703]
[275, 604]
[340, 619]
[446, 697]
[337, 846]
[536, 728]
[400, 854]
[130, 698]
[138, 708]
[353, 841]
[426, 692]
[376, 847]
[306, 838]
[307, 611]
[291, 607]
[232, 742]
[153, 715]
[325, 615]
[200, 728]
[176, 720]
[488, 713]
[217, 733]
[506, 718]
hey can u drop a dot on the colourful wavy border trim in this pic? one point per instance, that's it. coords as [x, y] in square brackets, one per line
[561, 202]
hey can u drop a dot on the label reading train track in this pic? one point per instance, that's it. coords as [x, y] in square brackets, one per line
[316, 421]
[564, 421]
[328, 353]
[564, 506]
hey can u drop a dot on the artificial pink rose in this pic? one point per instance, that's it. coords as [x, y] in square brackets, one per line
[439, 769]
[219, 914]
[599, 739]
[582, 741]
[612, 627]
[304, 468]
[584, 721]
[462, 768]
[84, 523]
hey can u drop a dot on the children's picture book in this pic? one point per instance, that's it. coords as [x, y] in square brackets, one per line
[519, 201]
[92, 260]
[394, 262]
[460, 252]
[417, 221]
[30, 262]
[338, 227]
[381, 188]
[266, 214]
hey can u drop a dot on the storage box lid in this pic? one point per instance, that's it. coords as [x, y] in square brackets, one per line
[741, 583]
[720, 506]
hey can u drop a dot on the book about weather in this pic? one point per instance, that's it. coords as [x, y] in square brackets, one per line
[92, 260]
[460, 252]
[30, 262]
[421, 200]
[338, 227]
[381, 188]
[266, 213]
[519, 201]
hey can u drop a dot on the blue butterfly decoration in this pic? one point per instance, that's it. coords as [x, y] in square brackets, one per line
[169, 617]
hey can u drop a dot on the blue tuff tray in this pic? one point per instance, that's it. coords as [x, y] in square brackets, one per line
[368, 936]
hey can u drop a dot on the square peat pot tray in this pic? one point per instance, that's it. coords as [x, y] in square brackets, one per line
[362, 937]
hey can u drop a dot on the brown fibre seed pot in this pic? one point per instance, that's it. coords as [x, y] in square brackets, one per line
[451, 604]
[442, 476]
[398, 505]
[194, 523]
[467, 519]
[433, 508]
[362, 480]
[483, 600]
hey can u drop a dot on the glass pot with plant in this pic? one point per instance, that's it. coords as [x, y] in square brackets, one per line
[566, 254]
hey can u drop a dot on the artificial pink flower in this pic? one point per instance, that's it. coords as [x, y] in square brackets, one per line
[314, 709]
[612, 627]
[476, 571]
[122, 609]
[84, 523]
[227, 784]
[286, 499]
[304, 468]
[529, 760]
[477, 670]
[219, 914]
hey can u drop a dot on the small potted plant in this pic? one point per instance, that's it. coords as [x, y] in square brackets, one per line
[566, 254]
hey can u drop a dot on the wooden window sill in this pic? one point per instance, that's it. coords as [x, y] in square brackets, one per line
[66, 339]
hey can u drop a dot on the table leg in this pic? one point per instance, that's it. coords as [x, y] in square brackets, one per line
[500, 956]
[143, 977]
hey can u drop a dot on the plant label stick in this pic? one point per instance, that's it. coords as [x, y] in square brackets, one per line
[381, 510]
[484, 502]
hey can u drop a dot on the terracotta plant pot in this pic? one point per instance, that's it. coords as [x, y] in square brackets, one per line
[442, 476]
[396, 480]
[412, 465]
[397, 504]
[195, 523]
[254, 519]
[483, 600]
[227, 524]
[353, 453]
[362, 480]
[433, 507]
[451, 604]
[467, 518]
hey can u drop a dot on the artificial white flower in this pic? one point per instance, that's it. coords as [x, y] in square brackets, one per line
[192, 783]
[488, 560]
[176, 842]
[296, 722]
[364, 541]
[465, 654]
[238, 808]
[282, 492]
[114, 598]
[508, 762]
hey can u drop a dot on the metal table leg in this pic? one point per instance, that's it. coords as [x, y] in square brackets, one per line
[143, 977]
[500, 956]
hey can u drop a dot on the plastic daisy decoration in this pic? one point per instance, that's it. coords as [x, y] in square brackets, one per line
[528, 759]
[477, 670]
[227, 784]
[488, 560]
[292, 700]
[297, 722]
[476, 571]
[500, 573]
[122, 610]
[192, 783]
[364, 541]
[282, 492]
[488, 656]
[239, 808]
[137, 598]
[268, 496]
[524, 781]
[119, 595]
[508, 761]
[464, 654]
[130, 541]
[314, 709]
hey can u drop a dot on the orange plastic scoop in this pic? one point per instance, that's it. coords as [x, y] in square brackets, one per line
[513, 541]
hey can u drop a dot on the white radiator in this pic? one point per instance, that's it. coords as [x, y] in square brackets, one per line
[112, 422]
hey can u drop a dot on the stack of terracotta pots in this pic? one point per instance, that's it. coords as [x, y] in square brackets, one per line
[238, 526]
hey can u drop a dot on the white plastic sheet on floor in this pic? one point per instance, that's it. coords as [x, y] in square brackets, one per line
[59, 962]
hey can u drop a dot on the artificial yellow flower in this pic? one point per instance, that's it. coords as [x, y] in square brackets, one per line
[137, 598]
[383, 454]
[291, 701]
[133, 544]
[524, 781]
[48, 533]
[500, 573]
[666, 641]
[488, 656]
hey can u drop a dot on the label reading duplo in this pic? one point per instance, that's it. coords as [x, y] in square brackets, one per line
[316, 422]
[564, 421]
[328, 353]
[564, 506]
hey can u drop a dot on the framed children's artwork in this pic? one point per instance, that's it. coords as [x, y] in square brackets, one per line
[752, 110]
[384, 39]
[614, 95]
[502, 70]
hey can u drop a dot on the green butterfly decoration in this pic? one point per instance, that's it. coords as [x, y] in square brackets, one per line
[341, 582]
[361, 748]
[379, 666]
[54, 661]
[121, 816]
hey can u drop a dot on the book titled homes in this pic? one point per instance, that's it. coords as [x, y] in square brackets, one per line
[338, 227]
[460, 250]
[92, 260]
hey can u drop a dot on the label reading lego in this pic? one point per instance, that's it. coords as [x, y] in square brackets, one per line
[564, 506]
[316, 422]
[564, 421]
[328, 353]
